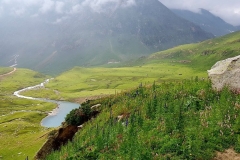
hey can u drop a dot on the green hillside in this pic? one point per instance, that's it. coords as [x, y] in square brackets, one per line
[20, 132]
[4, 70]
[201, 56]
[173, 120]
[182, 62]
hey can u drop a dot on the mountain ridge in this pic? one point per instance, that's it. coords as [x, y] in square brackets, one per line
[91, 38]
[207, 21]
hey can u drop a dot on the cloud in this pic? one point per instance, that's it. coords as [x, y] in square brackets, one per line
[21, 3]
[227, 10]
[106, 5]
[59, 7]
[75, 9]
[47, 6]
[18, 11]
[59, 20]
[1, 11]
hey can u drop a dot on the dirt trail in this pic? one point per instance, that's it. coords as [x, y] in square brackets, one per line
[229, 154]
[3, 75]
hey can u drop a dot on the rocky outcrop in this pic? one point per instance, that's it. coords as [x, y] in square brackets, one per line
[56, 139]
[226, 73]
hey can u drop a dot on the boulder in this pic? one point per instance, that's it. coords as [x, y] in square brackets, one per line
[226, 73]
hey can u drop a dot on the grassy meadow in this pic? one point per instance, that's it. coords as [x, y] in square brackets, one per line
[4, 70]
[85, 82]
[21, 134]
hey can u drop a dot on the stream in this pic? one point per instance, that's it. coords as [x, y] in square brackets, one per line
[56, 116]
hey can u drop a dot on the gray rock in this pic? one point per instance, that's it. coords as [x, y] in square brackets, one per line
[226, 73]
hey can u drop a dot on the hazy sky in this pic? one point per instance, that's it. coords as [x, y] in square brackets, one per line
[229, 10]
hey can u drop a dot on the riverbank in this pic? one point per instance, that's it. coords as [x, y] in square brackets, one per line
[57, 115]
[81, 100]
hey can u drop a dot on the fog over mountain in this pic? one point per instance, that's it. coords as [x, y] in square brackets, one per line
[229, 11]
[53, 36]
[207, 21]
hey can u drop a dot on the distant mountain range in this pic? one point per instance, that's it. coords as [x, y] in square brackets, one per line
[117, 32]
[207, 21]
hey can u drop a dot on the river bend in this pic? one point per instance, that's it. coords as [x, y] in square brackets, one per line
[56, 116]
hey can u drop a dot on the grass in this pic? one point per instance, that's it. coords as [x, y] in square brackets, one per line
[172, 120]
[84, 82]
[4, 70]
[21, 133]
[177, 64]
[202, 56]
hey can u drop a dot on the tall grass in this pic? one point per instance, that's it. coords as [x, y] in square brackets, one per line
[173, 120]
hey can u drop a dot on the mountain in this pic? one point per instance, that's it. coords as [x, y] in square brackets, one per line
[116, 31]
[207, 21]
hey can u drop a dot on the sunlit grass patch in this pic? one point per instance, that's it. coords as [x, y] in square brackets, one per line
[97, 81]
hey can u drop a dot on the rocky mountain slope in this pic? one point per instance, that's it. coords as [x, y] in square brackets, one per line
[207, 21]
[116, 31]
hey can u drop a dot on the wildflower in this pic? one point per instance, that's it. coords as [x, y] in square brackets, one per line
[126, 123]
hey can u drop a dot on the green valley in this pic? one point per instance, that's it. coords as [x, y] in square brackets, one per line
[182, 62]
[21, 134]
[156, 95]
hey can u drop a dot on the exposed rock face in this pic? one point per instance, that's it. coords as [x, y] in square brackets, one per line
[226, 73]
[56, 140]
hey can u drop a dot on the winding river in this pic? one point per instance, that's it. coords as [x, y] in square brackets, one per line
[57, 116]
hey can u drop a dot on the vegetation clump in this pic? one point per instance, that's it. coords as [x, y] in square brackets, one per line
[80, 115]
[171, 120]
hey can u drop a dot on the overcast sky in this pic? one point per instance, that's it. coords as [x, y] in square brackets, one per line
[229, 10]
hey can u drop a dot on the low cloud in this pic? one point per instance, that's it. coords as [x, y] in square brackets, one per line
[227, 10]
[76, 9]
[106, 5]
[59, 6]
[18, 11]
[59, 20]
[47, 6]
[1, 11]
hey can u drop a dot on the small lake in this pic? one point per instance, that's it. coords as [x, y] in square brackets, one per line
[57, 116]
